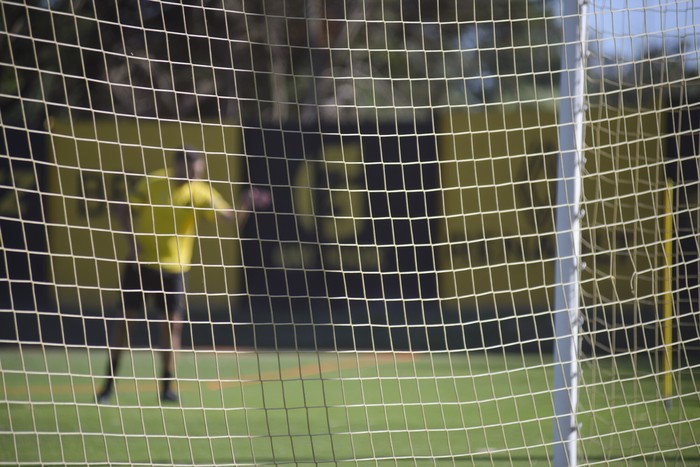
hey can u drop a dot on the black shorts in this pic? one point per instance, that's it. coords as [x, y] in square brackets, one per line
[165, 290]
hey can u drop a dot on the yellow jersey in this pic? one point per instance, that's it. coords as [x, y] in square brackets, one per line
[164, 213]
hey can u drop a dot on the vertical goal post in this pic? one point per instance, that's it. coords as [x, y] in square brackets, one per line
[567, 312]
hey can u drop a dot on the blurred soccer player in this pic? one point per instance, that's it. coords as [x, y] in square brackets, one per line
[161, 213]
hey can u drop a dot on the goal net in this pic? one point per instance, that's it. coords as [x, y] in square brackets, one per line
[366, 267]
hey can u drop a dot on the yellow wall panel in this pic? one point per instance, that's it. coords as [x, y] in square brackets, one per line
[498, 179]
[92, 164]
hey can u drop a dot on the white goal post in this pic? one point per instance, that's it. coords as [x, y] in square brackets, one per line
[480, 246]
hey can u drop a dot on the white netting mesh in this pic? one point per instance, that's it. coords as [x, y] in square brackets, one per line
[393, 304]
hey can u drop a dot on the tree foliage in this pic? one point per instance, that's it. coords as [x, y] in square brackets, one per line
[286, 60]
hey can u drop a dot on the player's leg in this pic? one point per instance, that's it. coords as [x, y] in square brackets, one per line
[170, 332]
[132, 302]
[118, 342]
[170, 337]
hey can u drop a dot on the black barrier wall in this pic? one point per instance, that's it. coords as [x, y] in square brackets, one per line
[349, 238]
[24, 290]
[682, 168]
[346, 256]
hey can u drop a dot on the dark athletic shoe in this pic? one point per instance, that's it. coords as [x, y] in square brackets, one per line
[169, 396]
[103, 395]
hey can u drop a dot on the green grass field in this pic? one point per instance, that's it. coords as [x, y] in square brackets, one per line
[277, 408]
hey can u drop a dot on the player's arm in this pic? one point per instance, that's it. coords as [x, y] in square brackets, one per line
[124, 216]
[251, 200]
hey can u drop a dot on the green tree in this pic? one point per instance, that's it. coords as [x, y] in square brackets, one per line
[274, 60]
